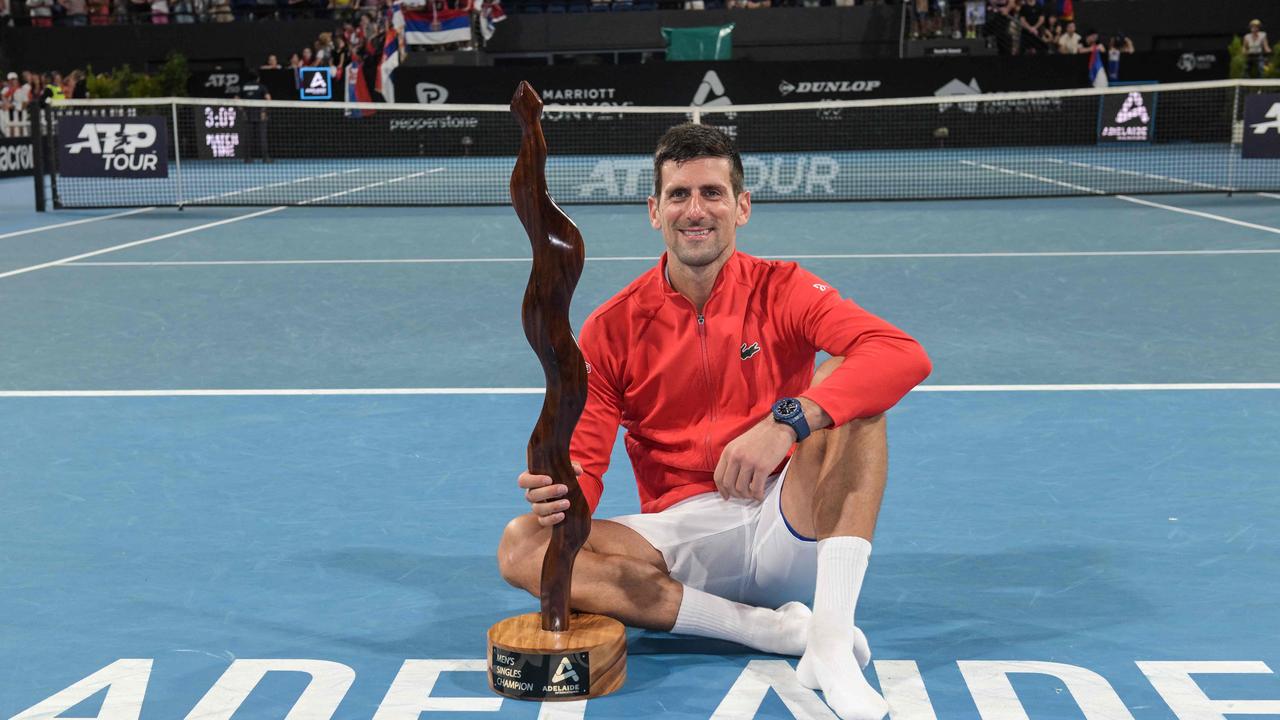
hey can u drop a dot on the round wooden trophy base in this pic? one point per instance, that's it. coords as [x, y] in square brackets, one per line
[528, 663]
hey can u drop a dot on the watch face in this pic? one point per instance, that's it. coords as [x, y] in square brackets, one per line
[790, 406]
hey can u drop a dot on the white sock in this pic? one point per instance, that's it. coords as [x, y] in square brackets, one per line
[783, 631]
[829, 661]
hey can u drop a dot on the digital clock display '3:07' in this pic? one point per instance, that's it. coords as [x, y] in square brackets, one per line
[219, 117]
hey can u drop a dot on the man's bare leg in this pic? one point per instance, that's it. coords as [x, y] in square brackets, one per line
[619, 574]
[833, 492]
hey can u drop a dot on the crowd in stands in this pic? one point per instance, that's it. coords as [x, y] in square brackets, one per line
[47, 13]
[20, 90]
[1016, 27]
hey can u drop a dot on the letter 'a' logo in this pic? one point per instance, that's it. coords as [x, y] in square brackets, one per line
[1273, 114]
[565, 672]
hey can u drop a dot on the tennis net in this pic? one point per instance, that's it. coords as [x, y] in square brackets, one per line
[1173, 138]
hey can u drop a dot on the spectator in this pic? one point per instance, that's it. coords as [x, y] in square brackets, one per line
[220, 11]
[341, 57]
[975, 16]
[1069, 40]
[256, 137]
[324, 48]
[308, 59]
[1050, 32]
[1001, 25]
[349, 33]
[99, 12]
[159, 12]
[76, 12]
[272, 63]
[41, 12]
[295, 62]
[184, 12]
[76, 87]
[13, 105]
[1256, 50]
[1031, 19]
[6, 13]
[1118, 45]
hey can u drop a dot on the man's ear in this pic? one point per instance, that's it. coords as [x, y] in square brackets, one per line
[744, 208]
[653, 213]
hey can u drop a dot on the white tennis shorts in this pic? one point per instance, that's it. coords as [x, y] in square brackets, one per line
[739, 549]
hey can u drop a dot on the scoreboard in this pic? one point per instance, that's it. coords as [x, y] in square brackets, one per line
[220, 132]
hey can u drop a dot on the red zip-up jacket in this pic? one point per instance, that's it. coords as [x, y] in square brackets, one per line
[684, 384]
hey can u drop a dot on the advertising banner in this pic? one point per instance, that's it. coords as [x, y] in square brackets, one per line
[1261, 126]
[15, 157]
[103, 146]
[1127, 118]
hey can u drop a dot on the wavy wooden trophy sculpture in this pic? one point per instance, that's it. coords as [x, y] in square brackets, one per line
[555, 654]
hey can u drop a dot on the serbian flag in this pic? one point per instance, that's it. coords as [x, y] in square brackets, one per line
[357, 89]
[1097, 69]
[1068, 11]
[437, 25]
[491, 13]
[390, 61]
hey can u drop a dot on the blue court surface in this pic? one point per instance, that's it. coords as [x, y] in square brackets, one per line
[866, 175]
[255, 461]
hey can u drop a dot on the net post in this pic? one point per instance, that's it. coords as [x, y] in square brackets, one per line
[697, 116]
[177, 151]
[1231, 143]
[37, 149]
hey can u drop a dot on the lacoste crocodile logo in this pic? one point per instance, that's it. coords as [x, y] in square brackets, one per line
[748, 351]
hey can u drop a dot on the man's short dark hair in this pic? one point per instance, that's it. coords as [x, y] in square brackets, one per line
[690, 141]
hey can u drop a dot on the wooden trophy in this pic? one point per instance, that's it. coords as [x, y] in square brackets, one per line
[555, 654]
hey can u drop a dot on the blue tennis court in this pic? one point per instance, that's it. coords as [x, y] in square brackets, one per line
[889, 174]
[256, 461]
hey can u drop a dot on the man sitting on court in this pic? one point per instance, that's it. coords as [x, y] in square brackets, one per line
[708, 361]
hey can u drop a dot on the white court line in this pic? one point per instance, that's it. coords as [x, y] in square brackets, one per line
[643, 258]
[285, 392]
[373, 185]
[143, 241]
[1041, 178]
[1126, 198]
[1152, 176]
[1273, 196]
[1197, 213]
[69, 223]
[305, 178]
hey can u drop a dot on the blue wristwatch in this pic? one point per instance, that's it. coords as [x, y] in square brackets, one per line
[788, 412]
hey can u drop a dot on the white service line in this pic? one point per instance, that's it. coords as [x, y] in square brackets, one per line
[642, 258]
[1273, 196]
[69, 223]
[143, 241]
[285, 392]
[1126, 198]
[1031, 176]
[305, 178]
[373, 185]
[1152, 176]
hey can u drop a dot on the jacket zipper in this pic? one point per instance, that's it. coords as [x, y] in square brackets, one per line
[711, 395]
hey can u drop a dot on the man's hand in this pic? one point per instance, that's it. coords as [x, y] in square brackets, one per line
[749, 458]
[545, 498]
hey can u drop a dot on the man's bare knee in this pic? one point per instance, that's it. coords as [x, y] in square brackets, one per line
[520, 552]
[824, 370]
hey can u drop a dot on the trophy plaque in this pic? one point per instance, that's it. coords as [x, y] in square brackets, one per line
[554, 654]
